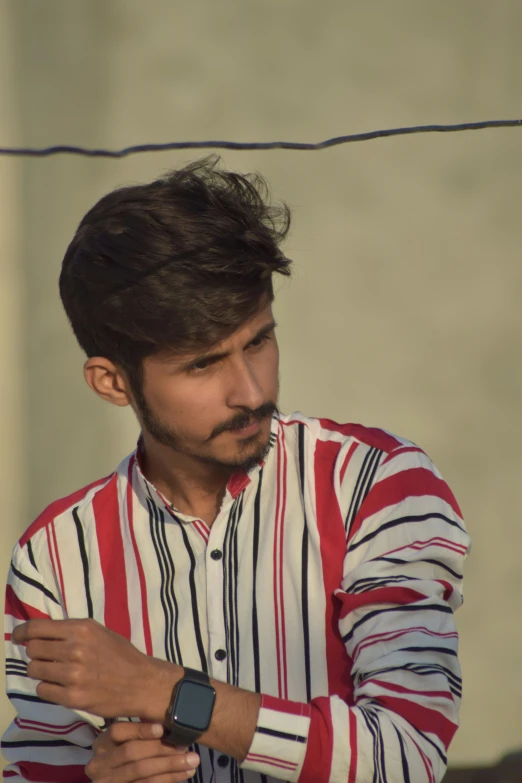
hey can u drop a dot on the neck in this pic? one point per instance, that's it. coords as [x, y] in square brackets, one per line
[194, 487]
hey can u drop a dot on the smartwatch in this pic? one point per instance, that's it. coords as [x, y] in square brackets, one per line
[190, 709]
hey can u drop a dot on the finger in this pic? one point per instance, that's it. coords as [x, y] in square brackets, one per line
[179, 764]
[51, 671]
[45, 650]
[39, 629]
[139, 750]
[133, 761]
[123, 731]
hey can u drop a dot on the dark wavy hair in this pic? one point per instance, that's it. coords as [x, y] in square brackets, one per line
[174, 265]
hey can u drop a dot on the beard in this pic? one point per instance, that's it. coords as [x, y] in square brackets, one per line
[250, 451]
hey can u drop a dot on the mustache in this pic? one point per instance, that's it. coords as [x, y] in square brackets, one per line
[245, 418]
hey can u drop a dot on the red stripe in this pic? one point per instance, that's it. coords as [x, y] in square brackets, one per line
[50, 547]
[20, 610]
[284, 705]
[281, 559]
[428, 766]
[57, 508]
[202, 529]
[333, 550]
[371, 436]
[393, 686]
[51, 773]
[382, 595]
[139, 565]
[237, 482]
[369, 641]
[7, 637]
[352, 772]
[351, 451]
[415, 482]
[110, 545]
[10, 774]
[272, 760]
[317, 764]
[423, 718]
[276, 570]
[48, 728]
[437, 541]
[59, 565]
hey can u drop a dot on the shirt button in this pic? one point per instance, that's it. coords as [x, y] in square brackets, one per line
[220, 655]
[216, 554]
[223, 761]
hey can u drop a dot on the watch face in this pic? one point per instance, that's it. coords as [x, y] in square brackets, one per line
[193, 705]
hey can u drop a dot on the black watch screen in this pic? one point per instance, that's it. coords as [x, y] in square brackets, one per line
[192, 707]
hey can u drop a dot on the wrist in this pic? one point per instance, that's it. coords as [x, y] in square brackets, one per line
[157, 689]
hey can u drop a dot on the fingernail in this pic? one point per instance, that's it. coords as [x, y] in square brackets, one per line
[156, 729]
[192, 759]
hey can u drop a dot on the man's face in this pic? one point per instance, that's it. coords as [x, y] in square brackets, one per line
[216, 406]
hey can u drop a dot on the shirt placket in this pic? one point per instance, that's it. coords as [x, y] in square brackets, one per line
[216, 623]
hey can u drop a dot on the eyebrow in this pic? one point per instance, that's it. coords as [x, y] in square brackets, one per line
[215, 356]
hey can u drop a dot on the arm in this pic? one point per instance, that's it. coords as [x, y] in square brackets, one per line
[44, 742]
[402, 573]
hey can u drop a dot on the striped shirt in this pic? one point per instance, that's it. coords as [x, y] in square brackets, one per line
[327, 583]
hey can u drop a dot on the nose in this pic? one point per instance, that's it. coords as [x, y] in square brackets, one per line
[245, 391]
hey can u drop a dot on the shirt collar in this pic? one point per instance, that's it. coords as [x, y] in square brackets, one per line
[237, 482]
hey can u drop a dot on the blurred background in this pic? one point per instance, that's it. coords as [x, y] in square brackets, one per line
[404, 309]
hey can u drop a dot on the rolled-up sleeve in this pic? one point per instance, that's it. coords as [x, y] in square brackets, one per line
[401, 584]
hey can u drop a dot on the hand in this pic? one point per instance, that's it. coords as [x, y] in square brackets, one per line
[83, 665]
[133, 751]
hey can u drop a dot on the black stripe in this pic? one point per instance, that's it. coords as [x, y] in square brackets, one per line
[229, 583]
[194, 599]
[443, 650]
[304, 568]
[370, 583]
[280, 734]
[420, 670]
[27, 697]
[33, 583]
[424, 737]
[400, 608]
[403, 521]
[404, 760]
[31, 555]
[43, 744]
[85, 561]
[236, 583]
[373, 719]
[359, 490]
[371, 730]
[399, 561]
[10, 672]
[255, 555]
[167, 593]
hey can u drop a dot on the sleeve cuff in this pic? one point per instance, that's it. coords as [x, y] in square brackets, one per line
[279, 744]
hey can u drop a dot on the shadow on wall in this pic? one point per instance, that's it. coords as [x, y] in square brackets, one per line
[508, 770]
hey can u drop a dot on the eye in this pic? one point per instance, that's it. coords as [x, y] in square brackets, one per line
[258, 341]
[200, 366]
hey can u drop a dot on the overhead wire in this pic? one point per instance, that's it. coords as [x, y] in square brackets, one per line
[67, 149]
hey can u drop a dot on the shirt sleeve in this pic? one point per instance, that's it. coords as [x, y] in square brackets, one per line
[402, 581]
[45, 742]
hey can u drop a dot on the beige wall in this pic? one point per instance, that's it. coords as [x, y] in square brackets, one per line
[405, 307]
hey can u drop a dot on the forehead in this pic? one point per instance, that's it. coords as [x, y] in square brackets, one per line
[243, 334]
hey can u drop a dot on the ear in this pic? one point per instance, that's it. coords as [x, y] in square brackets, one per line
[107, 380]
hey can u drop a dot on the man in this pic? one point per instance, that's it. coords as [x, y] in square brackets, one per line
[275, 592]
